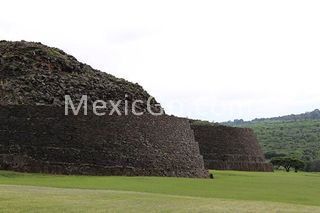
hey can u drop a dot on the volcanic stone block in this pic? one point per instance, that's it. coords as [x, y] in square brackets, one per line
[230, 148]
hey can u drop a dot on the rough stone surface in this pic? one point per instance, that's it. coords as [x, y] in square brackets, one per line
[36, 136]
[230, 148]
[35, 74]
[43, 139]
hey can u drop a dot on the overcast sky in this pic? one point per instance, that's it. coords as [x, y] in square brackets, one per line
[214, 60]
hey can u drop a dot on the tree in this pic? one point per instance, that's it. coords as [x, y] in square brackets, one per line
[282, 161]
[287, 163]
[298, 164]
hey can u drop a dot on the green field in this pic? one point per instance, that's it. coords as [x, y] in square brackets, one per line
[230, 191]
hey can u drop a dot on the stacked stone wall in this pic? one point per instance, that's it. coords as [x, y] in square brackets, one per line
[43, 139]
[230, 148]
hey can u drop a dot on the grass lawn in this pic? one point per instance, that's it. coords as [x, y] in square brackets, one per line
[230, 191]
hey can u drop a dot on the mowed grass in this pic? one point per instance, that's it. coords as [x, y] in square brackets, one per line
[44, 199]
[230, 191]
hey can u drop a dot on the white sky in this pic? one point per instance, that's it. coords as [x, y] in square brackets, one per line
[214, 60]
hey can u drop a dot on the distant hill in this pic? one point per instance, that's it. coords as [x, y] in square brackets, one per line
[293, 135]
[314, 115]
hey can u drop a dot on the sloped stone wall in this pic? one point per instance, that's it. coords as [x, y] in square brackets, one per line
[43, 139]
[230, 148]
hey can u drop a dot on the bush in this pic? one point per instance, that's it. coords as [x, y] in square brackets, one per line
[313, 166]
